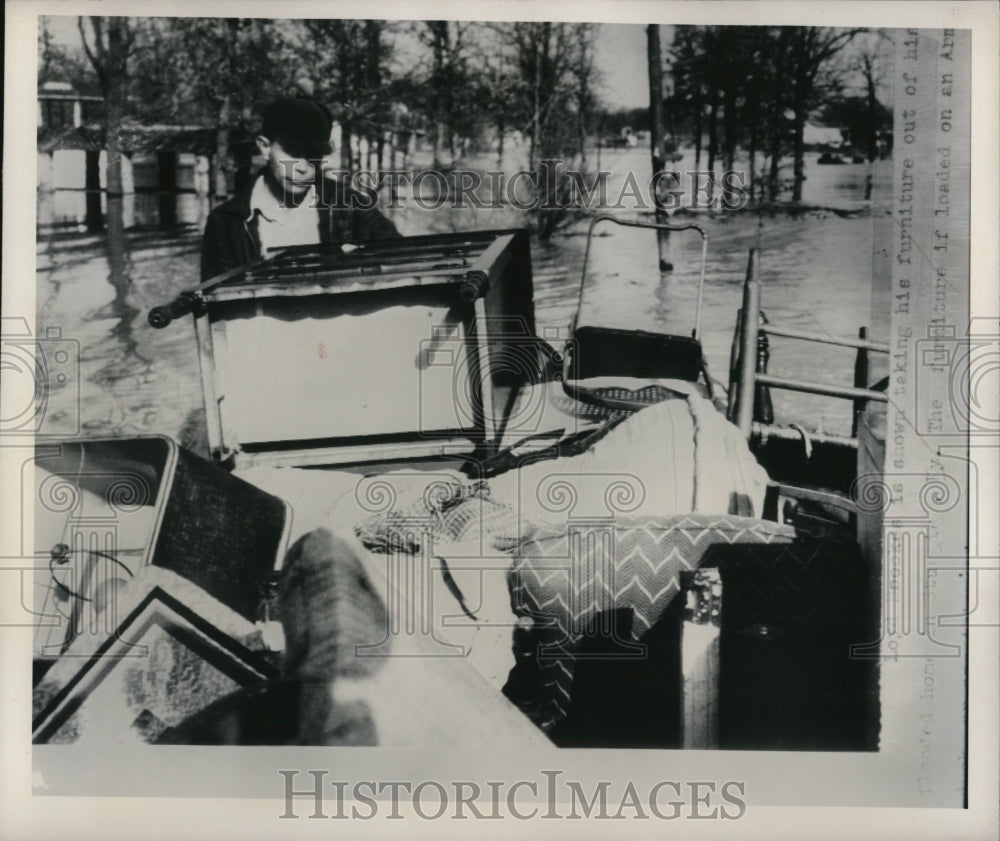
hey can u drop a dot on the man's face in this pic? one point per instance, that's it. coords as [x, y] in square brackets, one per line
[294, 176]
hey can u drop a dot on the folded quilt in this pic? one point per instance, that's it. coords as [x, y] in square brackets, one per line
[675, 457]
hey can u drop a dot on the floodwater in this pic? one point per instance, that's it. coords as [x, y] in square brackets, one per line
[816, 267]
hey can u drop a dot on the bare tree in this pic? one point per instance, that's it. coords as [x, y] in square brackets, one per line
[553, 79]
[869, 63]
[499, 87]
[452, 83]
[763, 82]
[690, 84]
[811, 76]
[586, 77]
[348, 61]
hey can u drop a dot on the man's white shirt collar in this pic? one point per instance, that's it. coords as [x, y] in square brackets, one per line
[263, 201]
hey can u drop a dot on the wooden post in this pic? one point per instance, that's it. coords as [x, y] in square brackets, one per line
[656, 135]
[763, 409]
[92, 183]
[860, 380]
[166, 189]
[734, 370]
[749, 328]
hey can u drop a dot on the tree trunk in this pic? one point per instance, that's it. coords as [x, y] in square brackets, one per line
[713, 126]
[221, 162]
[345, 146]
[873, 111]
[393, 186]
[774, 175]
[117, 244]
[773, 185]
[536, 106]
[799, 152]
[438, 134]
[729, 126]
[583, 99]
[773, 180]
[753, 112]
[109, 58]
[656, 135]
[546, 86]
[698, 128]
[440, 36]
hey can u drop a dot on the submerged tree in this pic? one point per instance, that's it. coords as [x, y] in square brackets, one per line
[348, 62]
[871, 66]
[108, 44]
[552, 95]
[450, 84]
[811, 78]
[763, 83]
[498, 89]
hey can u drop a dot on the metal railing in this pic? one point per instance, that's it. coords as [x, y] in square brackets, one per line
[748, 364]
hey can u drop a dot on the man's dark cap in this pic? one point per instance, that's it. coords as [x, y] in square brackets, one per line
[301, 126]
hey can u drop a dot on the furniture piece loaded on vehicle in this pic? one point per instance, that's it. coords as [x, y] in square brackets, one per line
[425, 524]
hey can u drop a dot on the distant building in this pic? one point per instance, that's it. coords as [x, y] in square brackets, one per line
[823, 136]
[60, 108]
[71, 153]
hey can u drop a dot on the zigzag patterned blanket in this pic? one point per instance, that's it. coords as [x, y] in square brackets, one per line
[564, 577]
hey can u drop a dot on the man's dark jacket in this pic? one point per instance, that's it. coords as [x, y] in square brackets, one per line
[231, 241]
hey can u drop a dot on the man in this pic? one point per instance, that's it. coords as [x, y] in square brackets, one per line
[288, 202]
